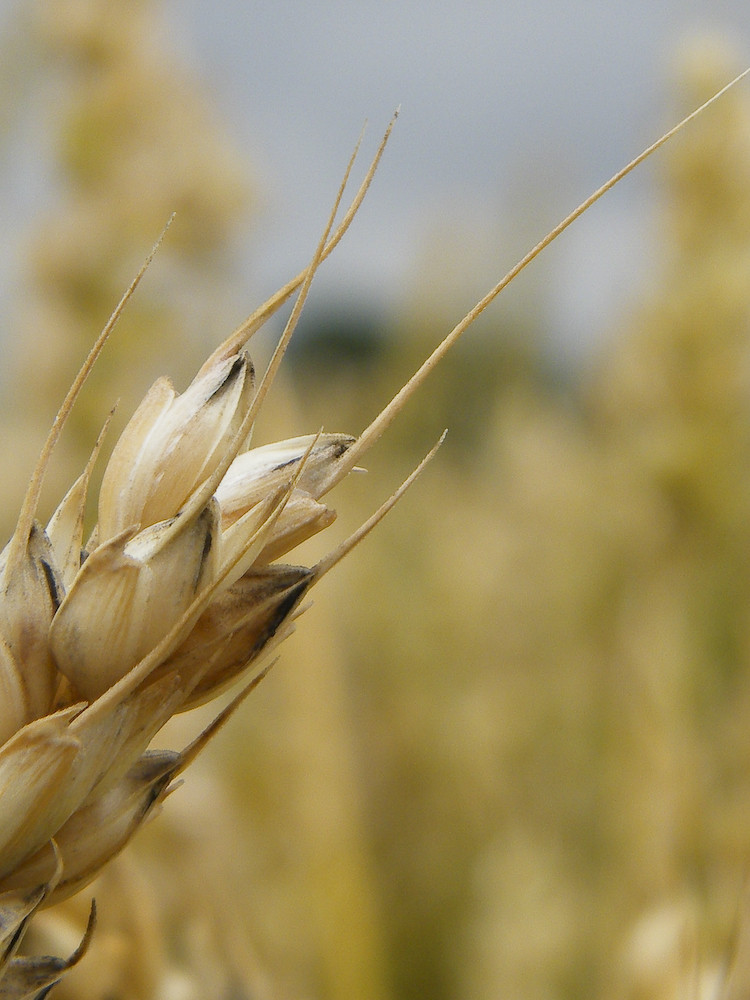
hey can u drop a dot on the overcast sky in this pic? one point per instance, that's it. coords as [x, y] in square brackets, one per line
[509, 111]
[510, 114]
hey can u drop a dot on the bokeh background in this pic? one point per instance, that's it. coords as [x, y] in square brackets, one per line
[507, 753]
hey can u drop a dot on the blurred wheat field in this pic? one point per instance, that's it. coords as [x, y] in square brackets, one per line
[506, 753]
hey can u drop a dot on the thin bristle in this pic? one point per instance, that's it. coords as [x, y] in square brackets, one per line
[334, 557]
[388, 414]
[190, 752]
[257, 319]
[211, 484]
[31, 499]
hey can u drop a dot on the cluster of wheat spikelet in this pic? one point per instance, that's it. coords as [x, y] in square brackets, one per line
[175, 595]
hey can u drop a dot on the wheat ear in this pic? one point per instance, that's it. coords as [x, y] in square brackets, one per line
[177, 594]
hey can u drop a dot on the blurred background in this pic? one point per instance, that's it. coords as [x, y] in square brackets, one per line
[506, 753]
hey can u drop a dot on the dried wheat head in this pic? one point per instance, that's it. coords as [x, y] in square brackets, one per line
[177, 594]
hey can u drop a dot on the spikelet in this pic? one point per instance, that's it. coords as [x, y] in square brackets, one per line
[176, 595]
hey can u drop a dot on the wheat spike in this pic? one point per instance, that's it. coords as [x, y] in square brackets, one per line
[177, 594]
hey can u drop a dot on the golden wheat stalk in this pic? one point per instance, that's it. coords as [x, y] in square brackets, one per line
[177, 594]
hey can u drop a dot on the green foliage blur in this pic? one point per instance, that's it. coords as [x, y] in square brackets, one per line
[507, 752]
